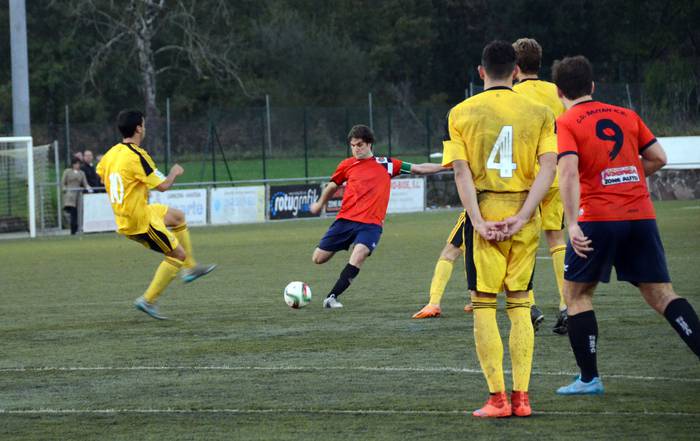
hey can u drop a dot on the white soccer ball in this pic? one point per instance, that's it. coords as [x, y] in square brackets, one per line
[297, 295]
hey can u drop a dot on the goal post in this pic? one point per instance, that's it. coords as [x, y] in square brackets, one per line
[17, 154]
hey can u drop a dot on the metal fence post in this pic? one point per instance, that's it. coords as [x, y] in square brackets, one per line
[347, 130]
[67, 135]
[306, 146]
[269, 124]
[262, 144]
[388, 113]
[211, 148]
[427, 132]
[167, 133]
[371, 117]
[59, 217]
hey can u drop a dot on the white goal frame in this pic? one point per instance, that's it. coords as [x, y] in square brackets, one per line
[29, 141]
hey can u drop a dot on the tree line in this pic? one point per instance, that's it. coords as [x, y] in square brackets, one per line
[99, 56]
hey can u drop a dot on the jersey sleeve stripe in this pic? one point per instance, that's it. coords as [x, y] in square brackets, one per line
[647, 145]
[568, 152]
[147, 169]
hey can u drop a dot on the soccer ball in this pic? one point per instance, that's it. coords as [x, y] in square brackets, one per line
[297, 295]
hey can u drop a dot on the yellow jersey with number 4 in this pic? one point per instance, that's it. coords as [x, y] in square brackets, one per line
[500, 134]
[128, 173]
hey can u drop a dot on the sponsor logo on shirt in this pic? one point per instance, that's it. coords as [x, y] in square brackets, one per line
[619, 175]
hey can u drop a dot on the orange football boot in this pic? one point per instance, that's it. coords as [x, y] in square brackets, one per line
[496, 407]
[468, 308]
[520, 404]
[428, 311]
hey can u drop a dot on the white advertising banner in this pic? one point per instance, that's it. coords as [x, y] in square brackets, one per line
[407, 195]
[237, 205]
[192, 202]
[97, 213]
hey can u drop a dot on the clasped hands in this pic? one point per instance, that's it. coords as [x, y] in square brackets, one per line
[500, 230]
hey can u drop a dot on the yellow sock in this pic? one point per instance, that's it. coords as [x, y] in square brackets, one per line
[443, 272]
[489, 346]
[558, 254]
[521, 342]
[166, 272]
[531, 297]
[183, 236]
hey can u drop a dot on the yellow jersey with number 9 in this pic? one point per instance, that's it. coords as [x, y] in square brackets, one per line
[501, 134]
[128, 173]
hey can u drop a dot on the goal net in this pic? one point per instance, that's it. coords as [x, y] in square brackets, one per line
[29, 197]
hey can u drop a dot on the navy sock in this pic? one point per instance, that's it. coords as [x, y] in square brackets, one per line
[583, 336]
[346, 276]
[684, 320]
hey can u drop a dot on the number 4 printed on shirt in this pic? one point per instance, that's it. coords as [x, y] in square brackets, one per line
[503, 147]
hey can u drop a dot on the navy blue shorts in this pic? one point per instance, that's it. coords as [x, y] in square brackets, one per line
[343, 233]
[633, 247]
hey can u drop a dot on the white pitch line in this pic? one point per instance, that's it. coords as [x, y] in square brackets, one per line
[319, 368]
[430, 412]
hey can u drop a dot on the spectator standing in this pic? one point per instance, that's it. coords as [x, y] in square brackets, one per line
[72, 181]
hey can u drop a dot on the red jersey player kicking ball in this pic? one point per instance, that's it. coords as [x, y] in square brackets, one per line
[361, 217]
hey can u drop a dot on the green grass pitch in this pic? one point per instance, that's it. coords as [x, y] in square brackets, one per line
[234, 362]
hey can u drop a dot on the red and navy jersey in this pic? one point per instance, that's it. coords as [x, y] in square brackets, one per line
[608, 141]
[368, 187]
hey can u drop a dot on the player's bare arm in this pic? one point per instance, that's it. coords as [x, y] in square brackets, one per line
[653, 159]
[175, 171]
[489, 230]
[540, 187]
[426, 168]
[570, 194]
[317, 206]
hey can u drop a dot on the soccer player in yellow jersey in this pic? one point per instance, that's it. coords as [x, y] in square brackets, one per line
[443, 271]
[128, 173]
[529, 59]
[496, 141]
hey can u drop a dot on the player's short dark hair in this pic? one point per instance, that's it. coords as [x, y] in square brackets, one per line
[128, 120]
[498, 59]
[528, 53]
[361, 132]
[573, 76]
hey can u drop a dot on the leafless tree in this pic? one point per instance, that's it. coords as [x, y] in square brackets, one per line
[132, 27]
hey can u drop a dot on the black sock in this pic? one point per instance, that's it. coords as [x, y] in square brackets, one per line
[345, 279]
[682, 317]
[583, 335]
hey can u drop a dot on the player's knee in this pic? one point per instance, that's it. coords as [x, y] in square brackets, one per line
[658, 296]
[319, 258]
[450, 252]
[176, 217]
[178, 253]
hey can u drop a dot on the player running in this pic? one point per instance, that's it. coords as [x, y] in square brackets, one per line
[363, 209]
[610, 216]
[529, 59]
[128, 173]
[496, 140]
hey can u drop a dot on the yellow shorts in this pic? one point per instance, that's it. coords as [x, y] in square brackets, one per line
[456, 237]
[552, 210]
[157, 237]
[493, 267]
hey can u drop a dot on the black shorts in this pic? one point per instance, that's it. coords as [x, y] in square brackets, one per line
[343, 233]
[633, 247]
[456, 237]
